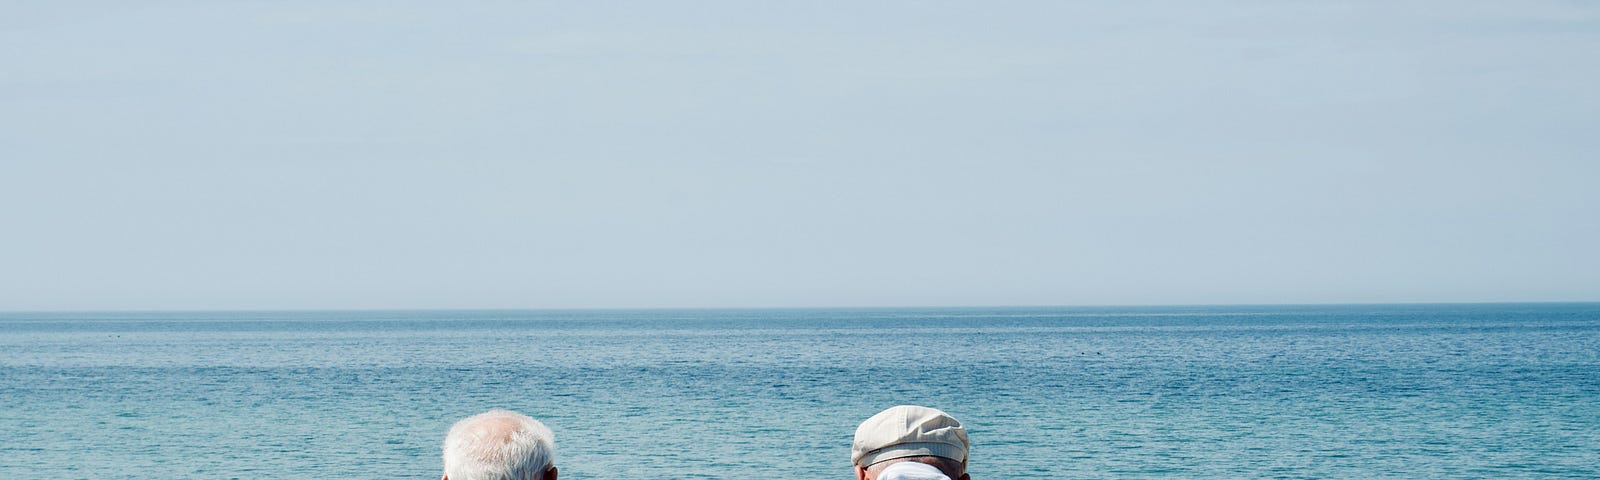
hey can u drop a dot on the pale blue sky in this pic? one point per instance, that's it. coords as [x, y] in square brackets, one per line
[227, 155]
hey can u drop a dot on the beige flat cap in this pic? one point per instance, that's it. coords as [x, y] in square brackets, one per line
[909, 431]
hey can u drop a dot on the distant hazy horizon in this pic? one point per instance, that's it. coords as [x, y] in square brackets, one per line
[405, 155]
[797, 308]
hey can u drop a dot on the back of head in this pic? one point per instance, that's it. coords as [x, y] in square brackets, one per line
[498, 445]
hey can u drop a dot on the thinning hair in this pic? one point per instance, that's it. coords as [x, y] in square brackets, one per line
[949, 466]
[498, 445]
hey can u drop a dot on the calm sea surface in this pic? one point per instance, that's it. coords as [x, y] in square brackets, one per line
[1384, 391]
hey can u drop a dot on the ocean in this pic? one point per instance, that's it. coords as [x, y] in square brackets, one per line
[1350, 391]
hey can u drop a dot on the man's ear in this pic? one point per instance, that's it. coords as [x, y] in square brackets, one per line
[446, 477]
[551, 473]
[861, 472]
[965, 477]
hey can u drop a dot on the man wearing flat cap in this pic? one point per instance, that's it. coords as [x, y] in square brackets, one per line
[909, 442]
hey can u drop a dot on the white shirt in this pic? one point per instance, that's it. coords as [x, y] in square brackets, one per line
[911, 471]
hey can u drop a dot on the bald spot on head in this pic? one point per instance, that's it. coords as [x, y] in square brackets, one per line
[497, 429]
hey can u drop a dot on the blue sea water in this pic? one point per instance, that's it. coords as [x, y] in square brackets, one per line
[1371, 391]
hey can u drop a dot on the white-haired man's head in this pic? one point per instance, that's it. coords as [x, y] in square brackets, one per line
[499, 445]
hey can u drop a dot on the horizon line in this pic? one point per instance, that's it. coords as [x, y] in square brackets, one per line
[835, 307]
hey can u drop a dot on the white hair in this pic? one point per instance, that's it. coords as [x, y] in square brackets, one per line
[498, 445]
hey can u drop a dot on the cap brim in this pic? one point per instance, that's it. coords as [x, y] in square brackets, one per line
[953, 452]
